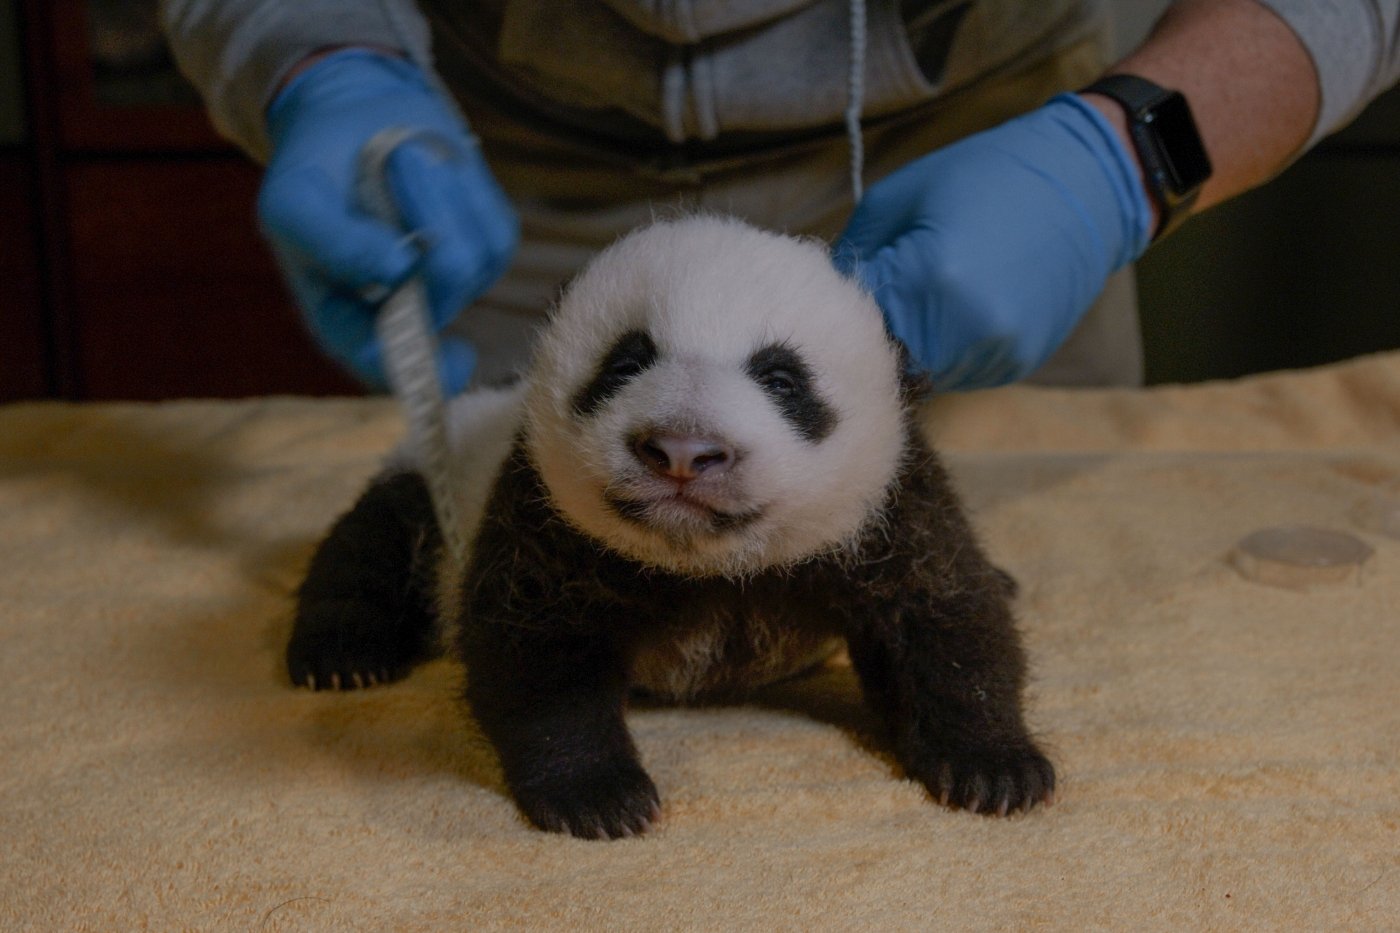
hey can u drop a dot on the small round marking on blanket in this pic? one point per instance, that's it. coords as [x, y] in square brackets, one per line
[1379, 515]
[1298, 556]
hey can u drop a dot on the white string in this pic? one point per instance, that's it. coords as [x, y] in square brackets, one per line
[410, 349]
[855, 99]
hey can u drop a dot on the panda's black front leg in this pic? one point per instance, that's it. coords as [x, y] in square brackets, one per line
[551, 699]
[365, 610]
[946, 673]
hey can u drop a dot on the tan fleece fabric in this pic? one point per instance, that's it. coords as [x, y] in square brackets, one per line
[1228, 751]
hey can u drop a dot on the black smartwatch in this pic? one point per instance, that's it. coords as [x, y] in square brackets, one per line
[1167, 142]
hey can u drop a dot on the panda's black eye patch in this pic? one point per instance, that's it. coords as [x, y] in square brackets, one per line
[785, 378]
[627, 358]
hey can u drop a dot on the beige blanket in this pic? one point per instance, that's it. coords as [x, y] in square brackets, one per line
[1230, 751]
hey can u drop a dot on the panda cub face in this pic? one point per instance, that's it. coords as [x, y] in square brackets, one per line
[712, 399]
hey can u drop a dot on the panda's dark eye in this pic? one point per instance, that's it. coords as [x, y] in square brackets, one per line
[627, 358]
[779, 382]
[785, 378]
[624, 368]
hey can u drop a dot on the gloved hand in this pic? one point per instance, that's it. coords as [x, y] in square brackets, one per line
[333, 252]
[984, 254]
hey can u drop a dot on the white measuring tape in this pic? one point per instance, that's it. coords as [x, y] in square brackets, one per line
[406, 336]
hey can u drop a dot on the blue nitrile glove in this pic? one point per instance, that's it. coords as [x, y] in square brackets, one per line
[985, 254]
[333, 252]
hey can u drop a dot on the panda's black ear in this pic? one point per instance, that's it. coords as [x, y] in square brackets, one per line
[915, 385]
[785, 377]
[629, 356]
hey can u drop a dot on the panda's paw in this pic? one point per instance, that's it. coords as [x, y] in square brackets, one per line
[346, 647]
[607, 800]
[991, 779]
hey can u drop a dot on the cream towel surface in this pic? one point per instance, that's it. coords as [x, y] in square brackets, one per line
[1229, 751]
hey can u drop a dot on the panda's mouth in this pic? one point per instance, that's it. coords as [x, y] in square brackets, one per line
[679, 511]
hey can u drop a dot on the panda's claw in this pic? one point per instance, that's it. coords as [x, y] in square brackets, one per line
[613, 801]
[993, 781]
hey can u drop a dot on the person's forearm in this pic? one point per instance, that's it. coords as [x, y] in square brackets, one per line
[321, 54]
[1250, 82]
[237, 52]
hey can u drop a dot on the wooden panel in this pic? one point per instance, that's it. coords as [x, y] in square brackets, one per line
[1297, 273]
[1377, 126]
[22, 355]
[174, 293]
[63, 49]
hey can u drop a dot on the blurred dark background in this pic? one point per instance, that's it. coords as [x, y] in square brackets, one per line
[130, 266]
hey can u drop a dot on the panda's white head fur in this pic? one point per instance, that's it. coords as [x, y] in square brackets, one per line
[713, 399]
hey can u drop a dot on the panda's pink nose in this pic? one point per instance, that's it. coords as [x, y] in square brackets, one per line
[682, 457]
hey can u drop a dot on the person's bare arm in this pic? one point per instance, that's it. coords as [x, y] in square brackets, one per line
[1251, 84]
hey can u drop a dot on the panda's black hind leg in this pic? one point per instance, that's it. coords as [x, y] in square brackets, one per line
[365, 610]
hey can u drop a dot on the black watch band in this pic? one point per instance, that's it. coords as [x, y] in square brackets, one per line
[1168, 144]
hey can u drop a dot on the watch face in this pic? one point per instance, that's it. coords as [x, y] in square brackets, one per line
[1186, 162]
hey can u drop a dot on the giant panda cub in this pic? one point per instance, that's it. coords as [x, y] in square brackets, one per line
[710, 480]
